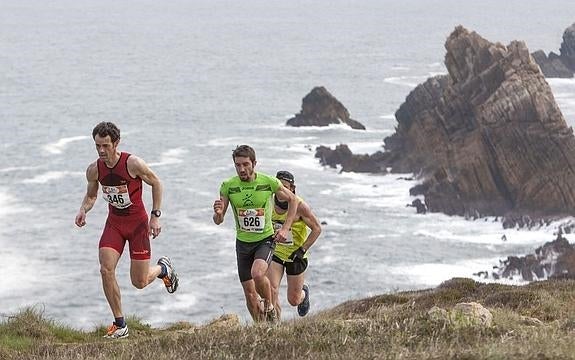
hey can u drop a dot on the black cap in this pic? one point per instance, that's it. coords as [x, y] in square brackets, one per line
[285, 175]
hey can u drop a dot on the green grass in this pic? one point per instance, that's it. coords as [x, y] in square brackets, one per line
[391, 326]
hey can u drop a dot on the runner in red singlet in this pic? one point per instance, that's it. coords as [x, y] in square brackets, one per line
[121, 176]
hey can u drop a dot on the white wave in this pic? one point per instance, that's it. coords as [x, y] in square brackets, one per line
[209, 228]
[495, 235]
[293, 147]
[409, 81]
[19, 168]
[366, 147]
[10, 205]
[335, 224]
[182, 219]
[387, 117]
[433, 274]
[330, 127]
[26, 277]
[223, 141]
[59, 146]
[302, 139]
[560, 81]
[170, 157]
[436, 65]
[319, 130]
[203, 193]
[51, 176]
[220, 274]
[179, 301]
[325, 260]
[294, 164]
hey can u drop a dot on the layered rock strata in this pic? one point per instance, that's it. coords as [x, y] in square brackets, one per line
[487, 138]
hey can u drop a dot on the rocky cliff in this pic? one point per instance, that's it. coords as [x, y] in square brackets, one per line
[320, 108]
[488, 137]
[562, 65]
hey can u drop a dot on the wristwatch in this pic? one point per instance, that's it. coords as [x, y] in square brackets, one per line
[157, 213]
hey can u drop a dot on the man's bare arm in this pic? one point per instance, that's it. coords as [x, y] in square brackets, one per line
[312, 222]
[220, 208]
[91, 194]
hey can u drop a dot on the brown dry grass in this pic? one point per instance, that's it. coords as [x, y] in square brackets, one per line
[394, 326]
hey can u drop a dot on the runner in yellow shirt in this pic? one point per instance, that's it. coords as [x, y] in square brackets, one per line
[291, 255]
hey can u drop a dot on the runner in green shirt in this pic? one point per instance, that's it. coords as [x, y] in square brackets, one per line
[250, 194]
[291, 256]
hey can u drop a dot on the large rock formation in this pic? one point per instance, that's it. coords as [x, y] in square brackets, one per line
[562, 65]
[320, 108]
[488, 137]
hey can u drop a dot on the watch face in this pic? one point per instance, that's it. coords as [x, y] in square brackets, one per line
[156, 213]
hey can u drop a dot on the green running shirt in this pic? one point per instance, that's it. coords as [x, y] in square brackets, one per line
[298, 235]
[252, 205]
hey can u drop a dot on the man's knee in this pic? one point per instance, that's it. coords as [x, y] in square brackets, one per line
[139, 283]
[107, 272]
[258, 275]
[294, 298]
[259, 270]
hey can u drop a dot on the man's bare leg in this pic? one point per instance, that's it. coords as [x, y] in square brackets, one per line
[108, 261]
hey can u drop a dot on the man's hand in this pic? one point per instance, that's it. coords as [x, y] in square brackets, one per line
[155, 227]
[80, 218]
[281, 235]
[297, 254]
[218, 207]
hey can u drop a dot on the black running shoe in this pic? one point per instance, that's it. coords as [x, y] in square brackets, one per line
[303, 308]
[171, 278]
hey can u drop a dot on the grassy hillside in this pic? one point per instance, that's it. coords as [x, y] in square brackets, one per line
[535, 321]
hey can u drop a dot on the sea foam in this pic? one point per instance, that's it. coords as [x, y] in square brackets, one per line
[51, 176]
[59, 146]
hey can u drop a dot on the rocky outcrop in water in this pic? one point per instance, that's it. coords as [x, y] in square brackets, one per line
[552, 66]
[343, 156]
[488, 137]
[562, 65]
[555, 259]
[320, 108]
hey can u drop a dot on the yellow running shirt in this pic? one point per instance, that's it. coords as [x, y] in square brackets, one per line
[298, 235]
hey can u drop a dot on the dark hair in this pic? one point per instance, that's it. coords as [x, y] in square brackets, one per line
[104, 129]
[285, 175]
[244, 151]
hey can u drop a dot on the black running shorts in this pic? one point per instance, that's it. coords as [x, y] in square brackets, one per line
[296, 267]
[246, 253]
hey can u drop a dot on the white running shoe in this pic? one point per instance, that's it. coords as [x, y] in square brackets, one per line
[171, 279]
[115, 332]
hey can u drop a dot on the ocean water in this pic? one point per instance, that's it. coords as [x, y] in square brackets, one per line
[187, 81]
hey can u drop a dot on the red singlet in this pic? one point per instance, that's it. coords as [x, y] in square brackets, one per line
[127, 217]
